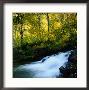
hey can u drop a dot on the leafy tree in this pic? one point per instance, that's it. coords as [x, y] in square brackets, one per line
[53, 31]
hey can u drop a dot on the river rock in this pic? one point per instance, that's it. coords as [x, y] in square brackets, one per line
[73, 57]
[70, 69]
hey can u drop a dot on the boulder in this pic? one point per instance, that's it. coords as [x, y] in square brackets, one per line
[73, 59]
[70, 69]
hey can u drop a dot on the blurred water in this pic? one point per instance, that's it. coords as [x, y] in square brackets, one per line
[48, 67]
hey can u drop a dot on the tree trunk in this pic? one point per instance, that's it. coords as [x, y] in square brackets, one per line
[39, 25]
[21, 29]
[48, 25]
[21, 33]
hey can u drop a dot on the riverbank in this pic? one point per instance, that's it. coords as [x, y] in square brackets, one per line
[29, 54]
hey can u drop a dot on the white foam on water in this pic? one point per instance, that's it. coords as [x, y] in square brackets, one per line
[49, 68]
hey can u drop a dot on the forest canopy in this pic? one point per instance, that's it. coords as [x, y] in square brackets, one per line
[48, 32]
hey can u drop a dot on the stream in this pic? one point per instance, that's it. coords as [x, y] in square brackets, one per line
[48, 67]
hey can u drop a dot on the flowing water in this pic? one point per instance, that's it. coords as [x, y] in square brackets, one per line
[48, 67]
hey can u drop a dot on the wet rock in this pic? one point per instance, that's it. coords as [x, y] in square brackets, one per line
[65, 71]
[70, 69]
[73, 57]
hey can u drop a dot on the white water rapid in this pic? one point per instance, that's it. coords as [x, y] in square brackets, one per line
[48, 67]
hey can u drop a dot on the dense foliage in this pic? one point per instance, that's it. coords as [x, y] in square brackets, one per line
[36, 35]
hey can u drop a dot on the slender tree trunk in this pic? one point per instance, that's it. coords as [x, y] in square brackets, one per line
[48, 25]
[39, 23]
[21, 33]
[21, 29]
[39, 26]
[15, 35]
